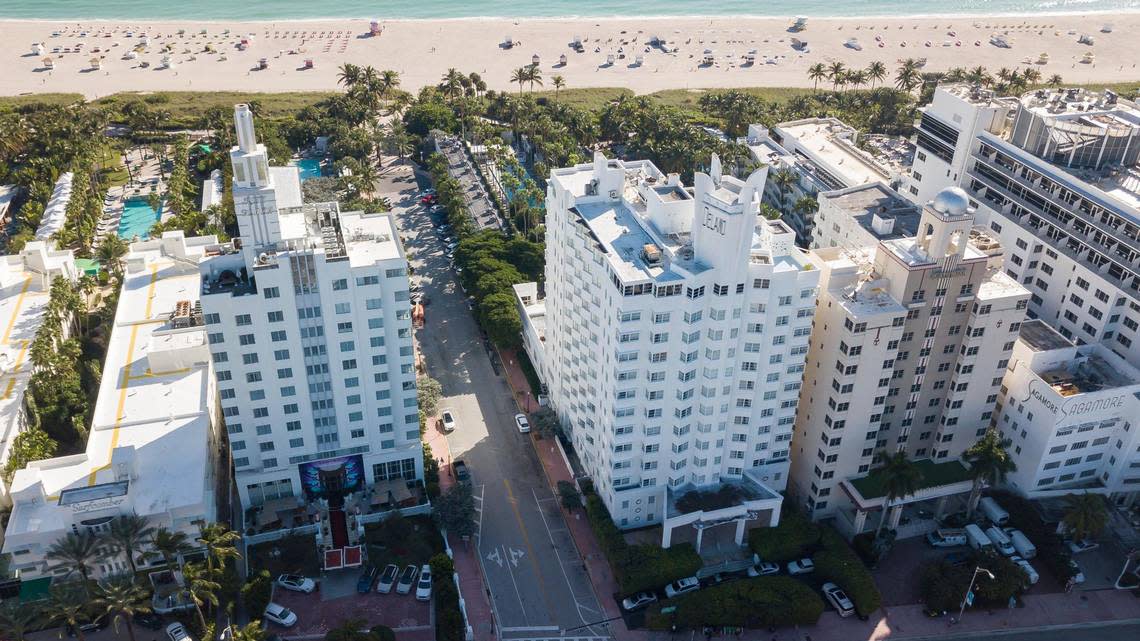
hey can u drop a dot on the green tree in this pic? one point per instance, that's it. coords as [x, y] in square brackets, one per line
[18, 619]
[171, 545]
[817, 72]
[569, 495]
[69, 605]
[128, 534]
[454, 511]
[110, 253]
[256, 592]
[900, 478]
[30, 445]
[989, 462]
[1085, 515]
[499, 316]
[221, 545]
[201, 587]
[428, 392]
[75, 552]
[876, 72]
[836, 72]
[122, 599]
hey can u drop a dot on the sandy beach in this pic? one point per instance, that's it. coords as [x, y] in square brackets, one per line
[99, 58]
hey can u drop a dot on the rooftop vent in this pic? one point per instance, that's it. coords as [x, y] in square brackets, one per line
[882, 224]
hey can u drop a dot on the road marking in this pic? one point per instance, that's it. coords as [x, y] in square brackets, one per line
[518, 594]
[577, 602]
[531, 628]
[494, 556]
[515, 556]
[526, 540]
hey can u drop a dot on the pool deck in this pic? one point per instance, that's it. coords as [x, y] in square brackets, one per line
[147, 179]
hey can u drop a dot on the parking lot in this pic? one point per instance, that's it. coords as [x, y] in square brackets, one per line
[337, 601]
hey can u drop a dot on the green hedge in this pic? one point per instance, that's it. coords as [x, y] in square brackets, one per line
[751, 603]
[448, 619]
[943, 586]
[638, 567]
[838, 563]
[787, 541]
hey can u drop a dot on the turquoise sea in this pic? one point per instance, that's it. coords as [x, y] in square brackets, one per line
[299, 9]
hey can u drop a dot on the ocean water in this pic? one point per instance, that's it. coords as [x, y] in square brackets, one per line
[423, 9]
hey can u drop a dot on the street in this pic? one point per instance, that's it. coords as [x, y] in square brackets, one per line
[537, 581]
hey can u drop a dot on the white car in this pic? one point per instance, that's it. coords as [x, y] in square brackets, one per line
[838, 599]
[448, 420]
[1076, 547]
[296, 583]
[423, 588]
[407, 579]
[681, 586]
[764, 568]
[388, 578]
[280, 615]
[522, 423]
[801, 566]
[1030, 573]
[637, 601]
[175, 632]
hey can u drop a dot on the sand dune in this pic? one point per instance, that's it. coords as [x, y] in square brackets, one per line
[423, 50]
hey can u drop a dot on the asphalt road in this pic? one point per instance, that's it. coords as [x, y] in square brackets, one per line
[1093, 632]
[537, 581]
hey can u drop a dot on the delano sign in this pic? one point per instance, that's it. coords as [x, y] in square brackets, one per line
[1073, 407]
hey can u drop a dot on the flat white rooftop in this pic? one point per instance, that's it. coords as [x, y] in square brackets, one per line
[620, 234]
[828, 142]
[163, 414]
[369, 238]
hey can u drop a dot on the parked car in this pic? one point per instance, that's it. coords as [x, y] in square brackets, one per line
[994, 512]
[764, 568]
[448, 419]
[638, 601]
[977, 538]
[175, 632]
[681, 586]
[367, 580]
[149, 620]
[296, 583]
[280, 615]
[946, 538]
[838, 599]
[1021, 543]
[801, 566]
[96, 624]
[1001, 542]
[423, 588]
[387, 578]
[1030, 573]
[1076, 547]
[522, 423]
[461, 473]
[407, 579]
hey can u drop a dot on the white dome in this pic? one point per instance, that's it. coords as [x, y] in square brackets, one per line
[952, 200]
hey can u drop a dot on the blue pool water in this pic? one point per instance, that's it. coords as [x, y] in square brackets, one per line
[137, 219]
[310, 168]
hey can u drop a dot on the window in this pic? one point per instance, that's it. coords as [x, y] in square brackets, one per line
[339, 284]
[243, 319]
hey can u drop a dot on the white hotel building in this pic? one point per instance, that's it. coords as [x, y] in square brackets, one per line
[910, 342]
[1055, 175]
[676, 326]
[1071, 413]
[153, 447]
[309, 324]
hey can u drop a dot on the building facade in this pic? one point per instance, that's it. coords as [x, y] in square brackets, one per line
[677, 323]
[309, 323]
[910, 341]
[1070, 413]
[859, 217]
[1059, 186]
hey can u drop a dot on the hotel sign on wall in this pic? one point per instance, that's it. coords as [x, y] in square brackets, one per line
[98, 504]
[1073, 407]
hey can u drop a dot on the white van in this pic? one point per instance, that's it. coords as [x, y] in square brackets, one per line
[947, 538]
[977, 539]
[1021, 543]
[1000, 540]
[993, 511]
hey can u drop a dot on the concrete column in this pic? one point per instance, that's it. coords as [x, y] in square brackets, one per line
[700, 534]
[896, 514]
[773, 517]
[666, 535]
[941, 507]
[860, 520]
[740, 529]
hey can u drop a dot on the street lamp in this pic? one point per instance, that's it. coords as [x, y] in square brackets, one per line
[969, 591]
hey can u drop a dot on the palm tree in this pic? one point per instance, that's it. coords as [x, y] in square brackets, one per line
[876, 72]
[1031, 75]
[123, 600]
[520, 76]
[1085, 515]
[18, 619]
[128, 533]
[908, 77]
[559, 82]
[349, 75]
[220, 543]
[452, 85]
[76, 553]
[1055, 80]
[110, 253]
[389, 80]
[978, 76]
[899, 478]
[805, 206]
[816, 73]
[201, 587]
[534, 76]
[835, 73]
[69, 606]
[989, 463]
[857, 78]
[170, 545]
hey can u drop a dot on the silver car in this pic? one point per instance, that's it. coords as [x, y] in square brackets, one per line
[838, 599]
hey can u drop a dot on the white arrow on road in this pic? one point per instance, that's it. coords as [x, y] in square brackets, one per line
[515, 556]
[493, 555]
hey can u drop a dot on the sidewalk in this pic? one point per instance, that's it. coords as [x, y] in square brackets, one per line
[471, 582]
[895, 623]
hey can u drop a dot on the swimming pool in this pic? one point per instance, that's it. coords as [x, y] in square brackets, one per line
[310, 168]
[137, 218]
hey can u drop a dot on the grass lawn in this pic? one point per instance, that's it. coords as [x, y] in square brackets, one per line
[295, 554]
[933, 475]
[187, 107]
[402, 540]
[11, 102]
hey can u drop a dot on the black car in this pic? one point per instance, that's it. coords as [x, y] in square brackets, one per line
[91, 626]
[149, 620]
[366, 580]
[461, 473]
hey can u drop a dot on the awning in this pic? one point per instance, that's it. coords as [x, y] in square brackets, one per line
[35, 589]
